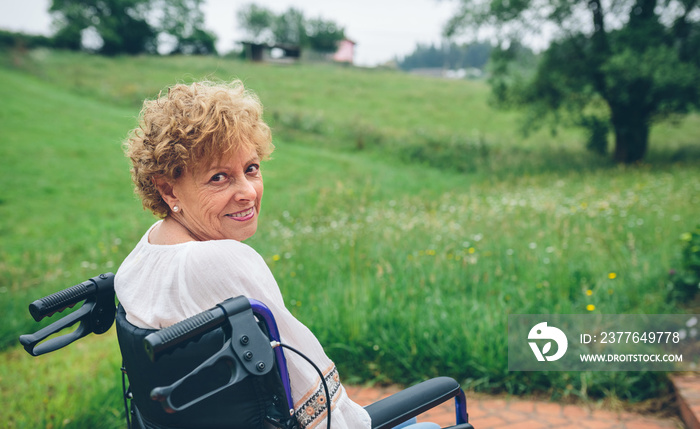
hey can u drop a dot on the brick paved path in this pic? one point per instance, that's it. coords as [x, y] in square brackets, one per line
[486, 412]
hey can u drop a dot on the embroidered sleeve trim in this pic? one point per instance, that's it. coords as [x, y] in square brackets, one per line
[310, 412]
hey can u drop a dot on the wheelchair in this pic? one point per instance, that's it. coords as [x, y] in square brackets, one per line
[222, 368]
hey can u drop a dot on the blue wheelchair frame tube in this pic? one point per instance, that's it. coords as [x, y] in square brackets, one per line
[261, 310]
[461, 407]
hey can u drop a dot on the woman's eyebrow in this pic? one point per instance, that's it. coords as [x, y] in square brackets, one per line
[254, 159]
[215, 168]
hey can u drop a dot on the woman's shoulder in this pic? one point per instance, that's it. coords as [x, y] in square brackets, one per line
[228, 258]
[228, 268]
[202, 257]
[222, 251]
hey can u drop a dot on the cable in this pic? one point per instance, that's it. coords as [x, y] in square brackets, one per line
[323, 379]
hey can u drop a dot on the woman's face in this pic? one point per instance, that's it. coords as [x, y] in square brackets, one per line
[221, 200]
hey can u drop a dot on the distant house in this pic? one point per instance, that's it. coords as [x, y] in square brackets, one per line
[254, 51]
[289, 52]
[345, 52]
[264, 52]
[285, 53]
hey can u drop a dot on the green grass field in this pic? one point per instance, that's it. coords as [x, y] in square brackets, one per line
[403, 218]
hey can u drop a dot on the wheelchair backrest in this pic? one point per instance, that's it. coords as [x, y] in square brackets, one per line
[206, 395]
[244, 405]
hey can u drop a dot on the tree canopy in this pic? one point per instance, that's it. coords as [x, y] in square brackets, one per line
[183, 21]
[121, 24]
[256, 21]
[289, 28]
[132, 26]
[612, 65]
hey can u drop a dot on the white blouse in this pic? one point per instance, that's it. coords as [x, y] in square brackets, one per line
[160, 285]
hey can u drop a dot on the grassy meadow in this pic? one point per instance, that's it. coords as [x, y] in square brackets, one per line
[403, 218]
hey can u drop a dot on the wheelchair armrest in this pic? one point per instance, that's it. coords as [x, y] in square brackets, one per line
[411, 402]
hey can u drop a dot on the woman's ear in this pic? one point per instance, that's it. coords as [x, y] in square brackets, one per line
[165, 188]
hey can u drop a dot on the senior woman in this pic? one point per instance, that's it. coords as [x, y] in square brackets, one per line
[196, 165]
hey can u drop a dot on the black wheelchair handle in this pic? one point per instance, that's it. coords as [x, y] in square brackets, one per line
[61, 300]
[169, 338]
[96, 315]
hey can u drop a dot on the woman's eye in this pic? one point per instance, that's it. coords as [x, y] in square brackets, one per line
[253, 168]
[219, 177]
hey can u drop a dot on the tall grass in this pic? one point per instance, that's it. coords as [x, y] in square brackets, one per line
[427, 278]
[404, 255]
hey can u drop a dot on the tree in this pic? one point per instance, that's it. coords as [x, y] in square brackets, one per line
[256, 21]
[183, 20]
[125, 25]
[289, 28]
[612, 64]
[323, 36]
[121, 24]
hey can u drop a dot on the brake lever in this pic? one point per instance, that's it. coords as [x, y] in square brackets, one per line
[31, 341]
[96, 315]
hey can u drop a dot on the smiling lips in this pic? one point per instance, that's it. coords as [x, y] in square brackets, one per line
[243, 216]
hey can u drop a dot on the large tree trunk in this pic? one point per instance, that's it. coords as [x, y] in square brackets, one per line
[629, 97]
[631, 134]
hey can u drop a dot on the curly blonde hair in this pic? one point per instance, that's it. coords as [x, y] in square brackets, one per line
[191, 126]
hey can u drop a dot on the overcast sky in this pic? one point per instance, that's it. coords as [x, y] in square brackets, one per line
[382, 29]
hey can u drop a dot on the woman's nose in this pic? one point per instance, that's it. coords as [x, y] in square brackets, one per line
[244, 190]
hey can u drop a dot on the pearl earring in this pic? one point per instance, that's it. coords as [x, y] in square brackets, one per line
[176, 209]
